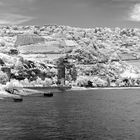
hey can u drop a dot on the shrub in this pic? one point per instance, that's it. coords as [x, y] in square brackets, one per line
[47, 82]
[99, 82]
[88, 81]
[2, 43]
[54, 71]
[82, 81]
[3, 78]
[13, 83]
[26, 82]
[39, 81]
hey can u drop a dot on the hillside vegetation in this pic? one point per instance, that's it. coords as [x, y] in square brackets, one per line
[100, 54]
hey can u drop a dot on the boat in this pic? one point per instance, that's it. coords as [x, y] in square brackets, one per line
[6, 95]
[18, 99]
[49, 94]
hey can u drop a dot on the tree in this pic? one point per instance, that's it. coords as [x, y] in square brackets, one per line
[73, 73]
[3, 78]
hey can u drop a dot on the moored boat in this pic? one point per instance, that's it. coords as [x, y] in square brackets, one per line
[18, 99]
[49, 94]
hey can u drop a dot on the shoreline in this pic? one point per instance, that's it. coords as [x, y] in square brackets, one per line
[68, 88]
[102, 88]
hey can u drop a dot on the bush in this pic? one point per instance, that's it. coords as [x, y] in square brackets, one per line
[2, 43]
[82, 81]
[47, 82]
[54, 71]
[13, 83]
[87, 81]
[25, 82]
[99, 82]
[3, 78]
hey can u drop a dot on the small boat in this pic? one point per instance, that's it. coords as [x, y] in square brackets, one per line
[49, 94]
[19, 99]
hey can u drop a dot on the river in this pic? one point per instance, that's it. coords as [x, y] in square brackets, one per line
[74, 115]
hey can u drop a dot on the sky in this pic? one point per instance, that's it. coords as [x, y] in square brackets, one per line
[76, 13]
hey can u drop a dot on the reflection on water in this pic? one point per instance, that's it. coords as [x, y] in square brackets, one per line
[72, 115]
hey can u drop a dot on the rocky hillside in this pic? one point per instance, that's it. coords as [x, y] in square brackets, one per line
[98, 44]
[103, 48]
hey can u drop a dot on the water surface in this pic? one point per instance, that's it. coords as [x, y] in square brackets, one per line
[76, 115]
